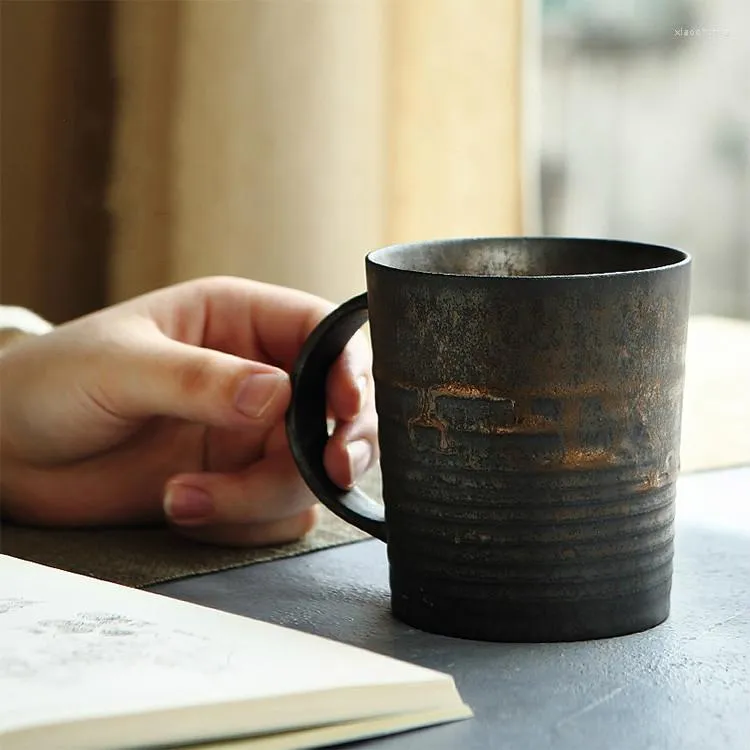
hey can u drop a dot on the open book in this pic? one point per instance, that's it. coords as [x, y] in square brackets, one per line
[89, 665]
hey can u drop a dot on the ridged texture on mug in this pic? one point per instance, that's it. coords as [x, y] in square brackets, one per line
[506, 549]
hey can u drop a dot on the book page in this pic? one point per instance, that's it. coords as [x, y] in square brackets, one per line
[73, 647]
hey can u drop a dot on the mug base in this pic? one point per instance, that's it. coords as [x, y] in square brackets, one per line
[534, 621]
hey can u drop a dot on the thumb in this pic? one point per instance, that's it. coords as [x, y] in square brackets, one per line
[170, 378]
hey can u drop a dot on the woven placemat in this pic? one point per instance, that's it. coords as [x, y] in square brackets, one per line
[716, 434]
[143, 556]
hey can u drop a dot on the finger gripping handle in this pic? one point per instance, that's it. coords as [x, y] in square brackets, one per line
[306, 417]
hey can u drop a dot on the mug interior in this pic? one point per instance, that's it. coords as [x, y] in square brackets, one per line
[526, 256]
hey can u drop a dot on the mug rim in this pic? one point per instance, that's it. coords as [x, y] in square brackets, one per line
[379, 256]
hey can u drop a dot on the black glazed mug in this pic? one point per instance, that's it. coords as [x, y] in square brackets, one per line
[529, 397]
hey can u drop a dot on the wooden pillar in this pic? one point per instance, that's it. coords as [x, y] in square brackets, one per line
[57, 101]
[283, 140]
[454, 118]
[251, 143]
[146, 57]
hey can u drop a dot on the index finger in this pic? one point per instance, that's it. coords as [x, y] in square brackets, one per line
[249, 318]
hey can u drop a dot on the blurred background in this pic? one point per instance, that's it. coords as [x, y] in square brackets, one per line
[646, 132]
[148, 142]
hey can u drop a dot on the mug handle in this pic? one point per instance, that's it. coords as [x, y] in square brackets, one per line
[306, 424]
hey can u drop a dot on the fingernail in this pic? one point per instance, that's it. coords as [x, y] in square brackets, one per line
[360, 455]
[256, 393]
[362, 388]
[188, 505]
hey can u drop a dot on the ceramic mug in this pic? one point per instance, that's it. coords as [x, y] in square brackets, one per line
[529, 396]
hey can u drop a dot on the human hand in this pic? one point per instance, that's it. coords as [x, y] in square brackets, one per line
[172, 404]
